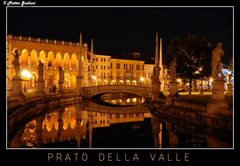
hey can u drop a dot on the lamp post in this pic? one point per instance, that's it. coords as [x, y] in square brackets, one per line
[94, 78]
[142, 80]
[201, 90]
[26, 76]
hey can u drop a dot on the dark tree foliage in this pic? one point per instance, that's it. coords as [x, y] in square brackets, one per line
[192, 52]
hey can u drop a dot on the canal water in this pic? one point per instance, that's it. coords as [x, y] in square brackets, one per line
[111, 120]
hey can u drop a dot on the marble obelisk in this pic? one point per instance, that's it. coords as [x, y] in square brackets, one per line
[156, 73]
[79, 77]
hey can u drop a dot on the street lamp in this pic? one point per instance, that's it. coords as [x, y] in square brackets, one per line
[141, 79]
[94, 78]
[199, 71]
[26, 76]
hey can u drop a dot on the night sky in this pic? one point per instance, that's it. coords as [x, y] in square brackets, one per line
[122, 30]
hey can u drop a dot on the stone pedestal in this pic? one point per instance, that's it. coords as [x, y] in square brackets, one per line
[17, 93]
[229, 88]
[155, 90]
[40, 88]
[173, 89]
[155, 131]
[217, 103]
[79, 86]
[60, 90]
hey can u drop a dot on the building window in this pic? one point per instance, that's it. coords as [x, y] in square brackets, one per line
[111, 65]
[118, 66]
[142, 67]
[50, 64]
[96, 59]
[96, 66]
[117, 115]
[101, 59]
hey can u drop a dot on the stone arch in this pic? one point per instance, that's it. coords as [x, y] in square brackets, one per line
[113, 82]
[42, 57]
[121, 82]
[67, 81]
[73, 81]
[50, 59]
[74, 61]
[33, 58]
[50, 79]
[105, 82]
[33, 80]
[58, 60]
[65, 60]
[24, 57]
[134, 82]
[127, 82]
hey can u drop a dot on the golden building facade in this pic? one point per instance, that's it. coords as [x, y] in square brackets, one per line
[53, 53]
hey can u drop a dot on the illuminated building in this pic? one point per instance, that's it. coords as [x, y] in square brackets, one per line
[96, 69]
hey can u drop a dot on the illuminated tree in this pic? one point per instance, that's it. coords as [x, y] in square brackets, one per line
[193, 55]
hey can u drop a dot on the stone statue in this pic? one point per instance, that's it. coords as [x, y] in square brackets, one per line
[156, 73]
[40, 71]
[217, 54]
[173, 70]
[16, 63]
[61, 74]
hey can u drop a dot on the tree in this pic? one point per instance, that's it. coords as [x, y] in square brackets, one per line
[192, 53]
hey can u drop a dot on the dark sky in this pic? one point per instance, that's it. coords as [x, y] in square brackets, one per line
[119, 30]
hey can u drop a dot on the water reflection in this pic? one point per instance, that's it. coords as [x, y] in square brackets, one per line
[77, 124]
[90, 125]
[122, 99]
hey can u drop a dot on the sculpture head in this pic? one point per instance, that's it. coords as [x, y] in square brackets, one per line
[16, 51]
[219, 44]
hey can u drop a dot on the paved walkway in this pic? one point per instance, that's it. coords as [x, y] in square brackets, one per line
[202, 98]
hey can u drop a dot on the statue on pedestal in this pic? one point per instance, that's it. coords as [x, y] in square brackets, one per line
[40, 71]
[16, 63]
[156, 73]
[217, 54]
[173, 70]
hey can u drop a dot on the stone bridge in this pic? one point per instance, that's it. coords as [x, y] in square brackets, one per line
[89, 92]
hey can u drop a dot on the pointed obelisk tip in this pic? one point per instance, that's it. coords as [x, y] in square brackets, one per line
[156, 49]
